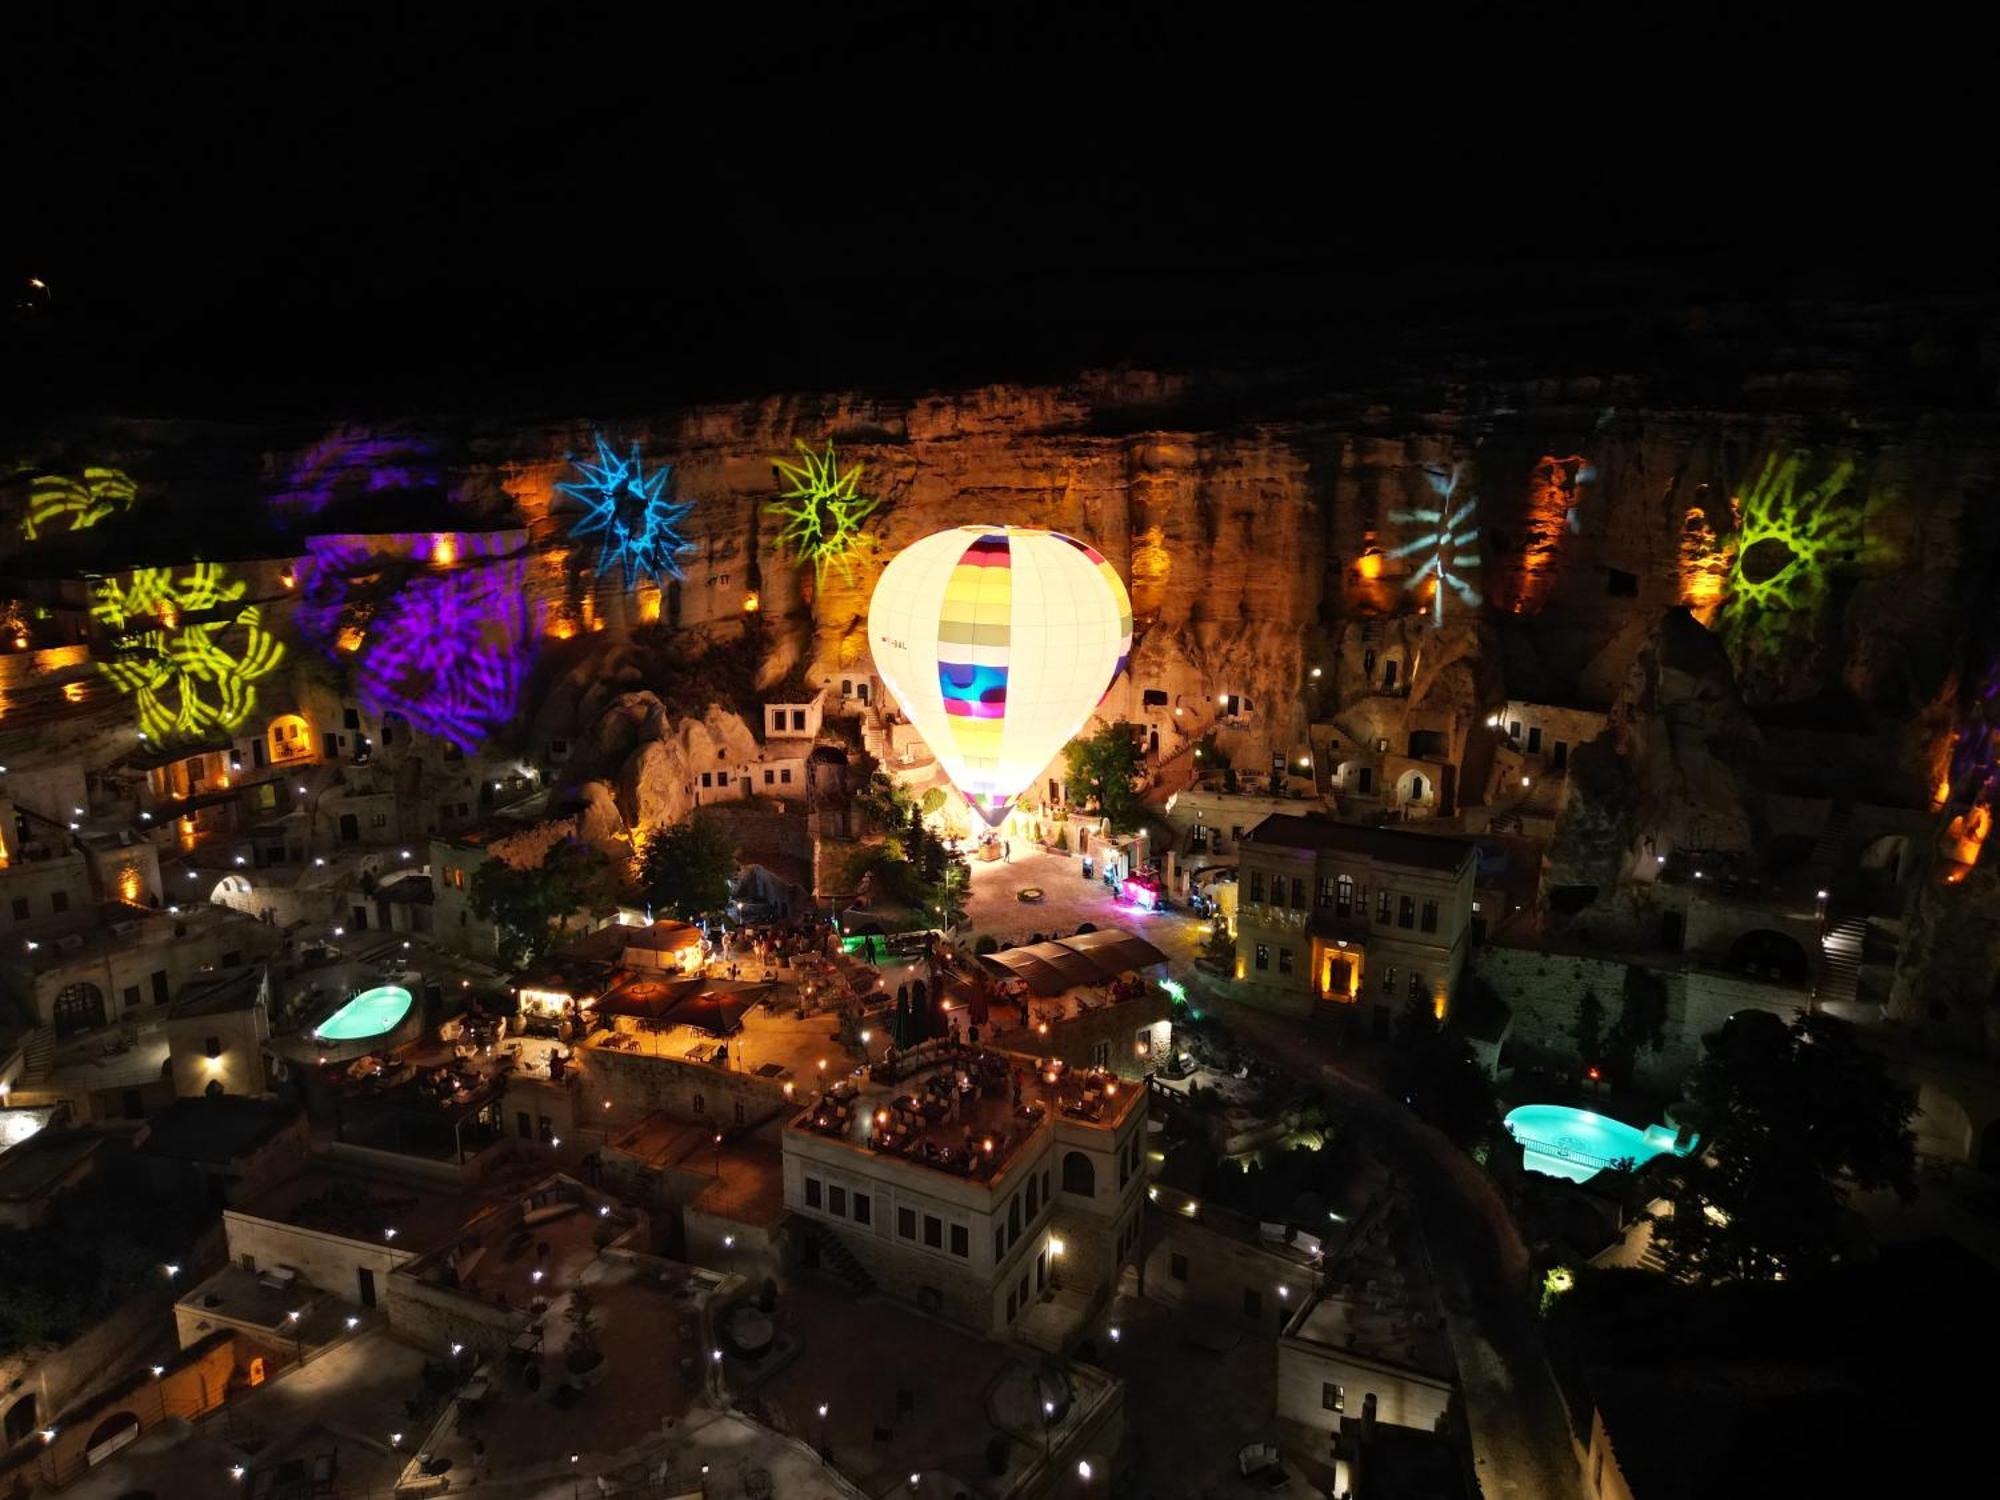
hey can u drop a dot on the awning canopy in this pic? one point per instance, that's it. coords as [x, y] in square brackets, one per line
[1088, 958]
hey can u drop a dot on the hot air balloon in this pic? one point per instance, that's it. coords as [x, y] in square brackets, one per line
[998, 641]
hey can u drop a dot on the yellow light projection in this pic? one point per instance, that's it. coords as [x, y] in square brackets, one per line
[189, 654]
[58, 503]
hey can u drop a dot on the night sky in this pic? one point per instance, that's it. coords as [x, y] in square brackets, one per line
[264, 209]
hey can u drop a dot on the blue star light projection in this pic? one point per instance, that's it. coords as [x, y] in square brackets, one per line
[1451, 539]
[631, 514]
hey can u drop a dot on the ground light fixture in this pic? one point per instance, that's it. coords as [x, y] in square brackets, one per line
[1083, 1468]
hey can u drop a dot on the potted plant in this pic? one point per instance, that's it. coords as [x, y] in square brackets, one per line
[583, 1358]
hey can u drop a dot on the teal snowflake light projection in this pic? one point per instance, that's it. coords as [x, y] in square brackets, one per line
[631, 515]
[1451, 538]
[821, 508]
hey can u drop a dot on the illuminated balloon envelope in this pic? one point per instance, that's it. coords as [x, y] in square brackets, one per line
[998, 641]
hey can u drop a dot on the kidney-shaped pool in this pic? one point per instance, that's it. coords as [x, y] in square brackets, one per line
[1559, 1141]
[369, 1014]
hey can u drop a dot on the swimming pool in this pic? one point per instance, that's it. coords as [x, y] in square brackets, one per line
[368, 1014]
[1559, 1141]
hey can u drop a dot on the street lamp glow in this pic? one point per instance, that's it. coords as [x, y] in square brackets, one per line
[1083, 1468]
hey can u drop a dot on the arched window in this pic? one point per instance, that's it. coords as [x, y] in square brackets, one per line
[1079, 1176]
[79, 1007]
[1343, 901]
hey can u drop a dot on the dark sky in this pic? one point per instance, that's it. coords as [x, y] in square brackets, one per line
[264, 207]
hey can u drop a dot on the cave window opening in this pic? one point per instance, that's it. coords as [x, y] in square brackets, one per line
[1622, 585]
[1560, 759]
[1154, 698]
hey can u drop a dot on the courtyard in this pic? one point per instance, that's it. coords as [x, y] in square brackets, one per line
[1068, 901]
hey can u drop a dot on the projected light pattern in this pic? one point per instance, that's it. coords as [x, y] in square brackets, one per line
[334, 574]
[188, 652]
[1451, 542]
[630, 514]
[58, 503]
[1787, 540]
[822, 510]
[449, 651]
[356, 463]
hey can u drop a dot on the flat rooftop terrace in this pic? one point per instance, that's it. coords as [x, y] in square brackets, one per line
[962, 1109]
[357, 1206]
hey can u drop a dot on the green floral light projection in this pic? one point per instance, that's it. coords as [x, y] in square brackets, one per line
[1788, 539]
[822, 510]
[188, 652]
[57, 502]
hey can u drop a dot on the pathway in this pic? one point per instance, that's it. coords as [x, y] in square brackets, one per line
[1520, 1438]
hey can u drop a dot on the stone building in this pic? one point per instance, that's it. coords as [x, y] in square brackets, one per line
[1333, 914]
[1051, 1209]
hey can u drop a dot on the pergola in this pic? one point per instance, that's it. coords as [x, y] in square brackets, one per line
[1088, 958]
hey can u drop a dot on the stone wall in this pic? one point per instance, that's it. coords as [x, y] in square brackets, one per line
[1545, 992]
[638, 1085]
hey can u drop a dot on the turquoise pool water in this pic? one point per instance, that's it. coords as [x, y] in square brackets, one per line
[368, 1014]
[1559, 1141]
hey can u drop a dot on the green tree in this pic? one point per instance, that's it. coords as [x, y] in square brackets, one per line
[685, 869]
[932, 801]
[1589, 1028]
[948, 893]
[1431, 1067]
[886, 806]
[1795, 1117]
[531, 906]
[1106, 770]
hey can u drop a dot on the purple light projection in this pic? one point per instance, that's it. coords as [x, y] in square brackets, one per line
[353, 462]
[335, 568]
[449, 652]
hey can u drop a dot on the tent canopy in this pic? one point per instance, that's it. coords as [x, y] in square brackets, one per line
[1088, 958]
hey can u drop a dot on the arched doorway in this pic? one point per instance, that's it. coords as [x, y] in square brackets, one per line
[79, 1007]
[1943, 1128]
[1765, 954]
[290, 738]
[1153, 743]
[1389, 670]
[108, 1436]
[1414, 789]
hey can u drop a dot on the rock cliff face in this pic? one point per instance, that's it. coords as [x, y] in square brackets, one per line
[1838, 556]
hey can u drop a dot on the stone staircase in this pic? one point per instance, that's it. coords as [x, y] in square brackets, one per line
[875, 734]
[1840, 963]
[836, 1259]
[38, 1054]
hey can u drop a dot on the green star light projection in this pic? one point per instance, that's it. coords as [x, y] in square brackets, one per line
[1788, 539]
[188, 655]
[822, 510]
